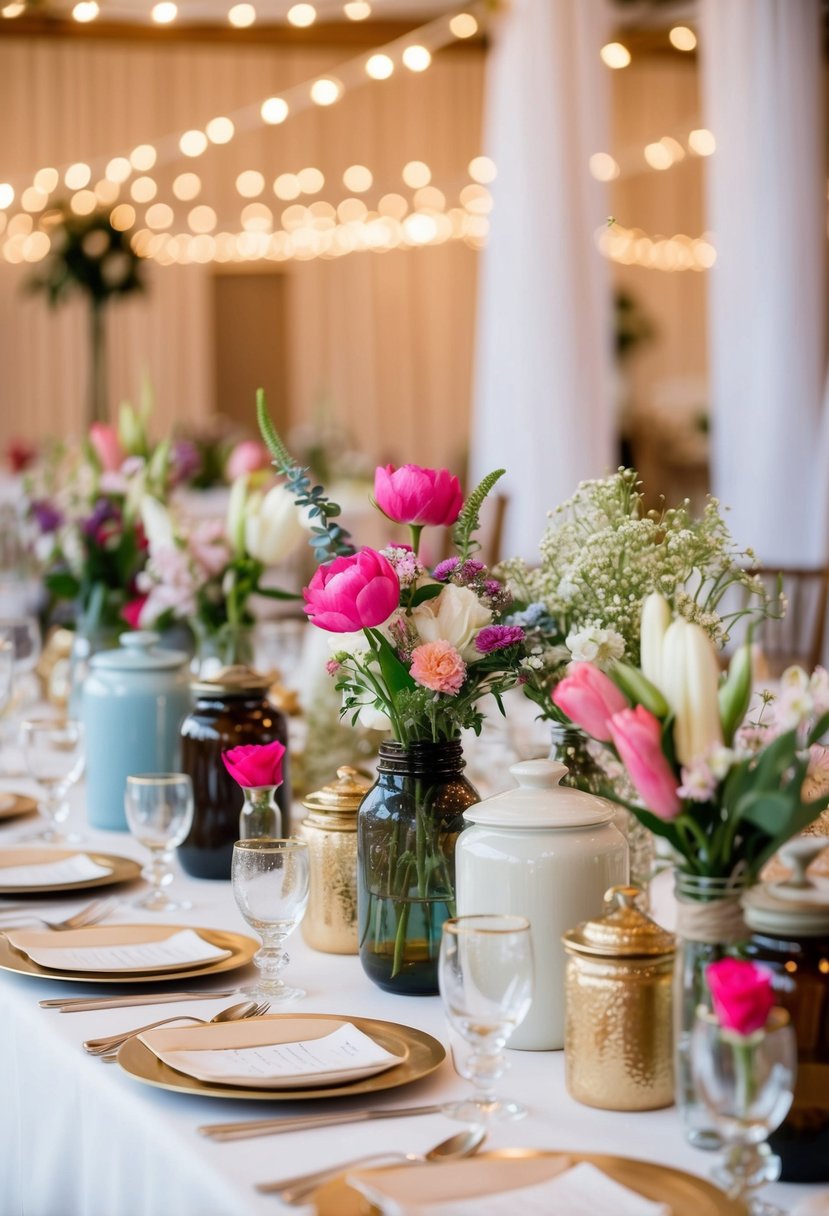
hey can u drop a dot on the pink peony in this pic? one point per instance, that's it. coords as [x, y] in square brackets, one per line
[104, 440]
[351, 593]
[437, 665]
[249, 456]
[637, 736]
[412, 495]
[131, 612]
[742, 994]
[255, 766]
[589, 698]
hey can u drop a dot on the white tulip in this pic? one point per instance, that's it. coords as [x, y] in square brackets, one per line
[689, 680]
[158, 524]
[656, 617]
[273, 525]
[236, 508]
[455, 616]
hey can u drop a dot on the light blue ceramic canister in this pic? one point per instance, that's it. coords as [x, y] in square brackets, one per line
[134, 701]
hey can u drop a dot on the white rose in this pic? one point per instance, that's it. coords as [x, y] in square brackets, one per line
[273, 525]
[455, 616]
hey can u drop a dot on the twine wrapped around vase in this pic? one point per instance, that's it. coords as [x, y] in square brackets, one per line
[717, 922]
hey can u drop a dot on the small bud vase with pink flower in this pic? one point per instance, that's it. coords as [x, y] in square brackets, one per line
[257, 770]
[414, 650]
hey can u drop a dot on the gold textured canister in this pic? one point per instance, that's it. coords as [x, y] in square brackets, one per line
[330, 828]
[618, 1038]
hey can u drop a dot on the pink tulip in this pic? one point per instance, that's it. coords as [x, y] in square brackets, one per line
[416, 496]
[589, 698]
[104, 440]
[131, 612]
[742, 994]
[249, 456]
[352, 593]
[255, 766]
[637, 736]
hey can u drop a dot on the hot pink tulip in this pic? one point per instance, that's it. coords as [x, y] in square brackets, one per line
[352, 593]
[742, 994]
[637, 736]
[249, 456]
[416, 496]
[104, 440]
[589, 698]
[131, 612]
[255, 766]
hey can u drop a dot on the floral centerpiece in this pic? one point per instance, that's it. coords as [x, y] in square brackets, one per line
[414, 650]
[205, 573]
[725, 786]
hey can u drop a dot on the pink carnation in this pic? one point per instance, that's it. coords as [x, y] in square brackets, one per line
[438, 665]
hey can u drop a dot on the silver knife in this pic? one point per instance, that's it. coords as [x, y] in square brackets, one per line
[269, 1127]
[83, 1004]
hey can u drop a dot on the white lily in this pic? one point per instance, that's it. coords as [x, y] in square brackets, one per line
[689, 681]
[656, 617]
[158, 524]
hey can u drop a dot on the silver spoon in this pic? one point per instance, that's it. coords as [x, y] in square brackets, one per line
[297, 1189]
[233, 1013]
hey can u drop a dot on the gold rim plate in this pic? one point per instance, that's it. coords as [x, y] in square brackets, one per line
[685, 1194]
[15, 806]
[242, 950]
[422, 1053]
[121, 869]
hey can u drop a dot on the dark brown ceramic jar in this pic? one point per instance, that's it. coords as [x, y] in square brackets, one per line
[230, 709]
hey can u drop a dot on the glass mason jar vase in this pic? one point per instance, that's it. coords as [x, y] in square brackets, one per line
[227, 646]
[260, 815]
[709, 925]
[407, 827]
[571, 746]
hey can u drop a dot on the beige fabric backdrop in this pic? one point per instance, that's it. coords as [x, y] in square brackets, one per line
[385, 338]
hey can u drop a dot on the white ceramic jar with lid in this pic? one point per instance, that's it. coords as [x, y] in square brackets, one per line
[547, 852]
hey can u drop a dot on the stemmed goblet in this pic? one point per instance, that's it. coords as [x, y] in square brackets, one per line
[159, 809]
[54, 755]
[747, 1083]
[270, 884]
[485, 974]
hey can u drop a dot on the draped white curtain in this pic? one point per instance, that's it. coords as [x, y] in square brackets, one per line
[543, 344]
[766, 183]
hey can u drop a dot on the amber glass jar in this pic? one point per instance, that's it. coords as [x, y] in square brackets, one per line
[230, 710]
[790, 924]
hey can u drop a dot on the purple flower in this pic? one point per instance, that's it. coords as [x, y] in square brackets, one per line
[492, 587]
[445, 569]
[103, 512]
[185, 462]
[498, 637]
[470, 570]
[48, 517]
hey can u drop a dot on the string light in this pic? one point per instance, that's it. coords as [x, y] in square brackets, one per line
[417, 58]
[122, 217]
[325, 91]
[274, 110]
[683, 38]
[416, 174]
[357, 10]
[615, 55]
[13, 10]
[287, 186]
[106, 192]
[6, 195]
[84, 202]
[186, 186]
[633, 247]
[193, 143]
[242, 15]
[77, 176]
[85, 11]
[379, 67]
[46, 180]
[311, 180]
[250, 183]
[483, 170]
[164, 12]
[302, 15]
[143, 190]
[202, 219]
[603, 167]
[463, 25]
[118, 169]
[220, 130]
[143, 157]
[702, 142]
[358, 179]
[33, 199]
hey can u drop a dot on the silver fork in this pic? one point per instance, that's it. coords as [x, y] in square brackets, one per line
[90, 915]
[106, 1049]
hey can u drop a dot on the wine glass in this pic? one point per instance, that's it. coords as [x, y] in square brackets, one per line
[159, 809]
[485, 974]
[747, 1083]
[54, 755]
[270, 883]
[22, 634]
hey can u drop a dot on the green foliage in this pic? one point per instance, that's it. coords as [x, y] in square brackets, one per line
[89, 256]
[468, 522]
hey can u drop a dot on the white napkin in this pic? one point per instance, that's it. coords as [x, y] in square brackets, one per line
[77, 868]
[170, 953]
[582, 1190]
[343, 1055]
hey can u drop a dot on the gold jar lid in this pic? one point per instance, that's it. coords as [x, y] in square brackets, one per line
[624, 932]
[342, 797]
[235, 681]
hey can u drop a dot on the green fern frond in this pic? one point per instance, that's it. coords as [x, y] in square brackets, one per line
[282, 457]
[468, 522]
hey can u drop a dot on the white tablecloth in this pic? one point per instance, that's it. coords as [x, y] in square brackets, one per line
[82, 1138]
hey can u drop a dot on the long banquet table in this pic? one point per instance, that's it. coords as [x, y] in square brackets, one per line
[82, 1138]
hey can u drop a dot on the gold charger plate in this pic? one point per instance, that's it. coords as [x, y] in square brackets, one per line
[15, 806]
[242, 950]
[685, 1194]
[423, 1055]
[121, 869]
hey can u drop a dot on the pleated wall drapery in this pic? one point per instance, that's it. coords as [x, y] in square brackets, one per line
[766, 184]
[385, 339]
[543, 346]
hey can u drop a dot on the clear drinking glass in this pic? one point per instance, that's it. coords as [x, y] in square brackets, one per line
[485, 973]
[159, 808]
[270, 883]
[6, 672]
[54, 755]
[747, 1084]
